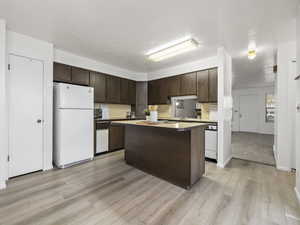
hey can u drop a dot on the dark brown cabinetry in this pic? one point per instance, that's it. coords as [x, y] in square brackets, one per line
[202, 86]
[188, 84]
[173, 85]
[124, 91]
[113, 89]
[98, 82]
[107, 88]
[80, 76]
[116, 137]
[213, 85]
[132, 92]
[62, 73]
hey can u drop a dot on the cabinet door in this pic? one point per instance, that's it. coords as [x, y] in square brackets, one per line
[116, 137]
[124, 91]
[132, 92]
[202, 86]
[173, 86]
[80, 76]
[98, 82]
[152, 92]
[213, 85]
[188, 84]
[61, 73]
[113, 89]
[162, 91]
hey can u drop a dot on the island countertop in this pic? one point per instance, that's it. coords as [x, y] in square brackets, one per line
[179, 126]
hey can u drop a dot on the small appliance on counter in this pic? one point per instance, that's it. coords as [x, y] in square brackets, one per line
[98, 113]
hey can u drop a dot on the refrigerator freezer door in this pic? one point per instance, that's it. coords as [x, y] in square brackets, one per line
[74, 136]
[68, 96]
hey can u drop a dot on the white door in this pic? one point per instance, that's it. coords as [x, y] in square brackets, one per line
[249, 118]
[25, 105]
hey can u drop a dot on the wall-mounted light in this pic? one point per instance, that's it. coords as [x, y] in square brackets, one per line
[252, 51]
[173, 49]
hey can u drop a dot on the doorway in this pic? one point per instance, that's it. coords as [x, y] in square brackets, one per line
[25, 112]
[253, 125]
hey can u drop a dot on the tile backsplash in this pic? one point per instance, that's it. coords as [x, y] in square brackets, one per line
[113, 111]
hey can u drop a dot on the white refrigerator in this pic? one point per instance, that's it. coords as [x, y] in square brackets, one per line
[73, 124]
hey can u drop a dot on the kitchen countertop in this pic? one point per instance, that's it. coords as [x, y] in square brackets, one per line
[187, 119]
[179, 126]
[115, 119]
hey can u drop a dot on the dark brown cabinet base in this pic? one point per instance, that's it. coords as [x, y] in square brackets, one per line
[175, 156]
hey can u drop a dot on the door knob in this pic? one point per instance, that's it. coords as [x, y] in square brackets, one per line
[39, 121]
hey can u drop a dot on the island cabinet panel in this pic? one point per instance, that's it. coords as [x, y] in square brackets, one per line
[98, 82]
[132, 92]
[188, 84]
[213, 85]
[62, 73]
[116, 137]
[202, 86]
[158, 152]
[124, 91]
[113, 89]
[80, 76]
[173, 86]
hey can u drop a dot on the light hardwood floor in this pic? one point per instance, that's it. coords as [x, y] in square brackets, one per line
[253, 146]
[107, 191]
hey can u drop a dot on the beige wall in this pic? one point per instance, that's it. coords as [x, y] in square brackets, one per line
[115, 111]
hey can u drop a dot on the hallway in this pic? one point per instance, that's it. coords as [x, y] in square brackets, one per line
[253, 147]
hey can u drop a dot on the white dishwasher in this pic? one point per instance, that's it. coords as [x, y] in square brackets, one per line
[102, 132]
[211, 142]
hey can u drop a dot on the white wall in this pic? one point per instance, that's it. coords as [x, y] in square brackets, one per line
[3, 114]
[224, 107]
[184, 68]
[22, 45]
[261, 92]
[297, 128]
[285, 106]
[86, 63]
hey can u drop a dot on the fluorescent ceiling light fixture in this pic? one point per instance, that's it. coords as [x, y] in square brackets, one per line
[252, 51]
[175, 49]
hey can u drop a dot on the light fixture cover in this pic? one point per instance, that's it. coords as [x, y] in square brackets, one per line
[252, 51]
[175, 49]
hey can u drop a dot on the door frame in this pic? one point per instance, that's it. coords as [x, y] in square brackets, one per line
[43, 107]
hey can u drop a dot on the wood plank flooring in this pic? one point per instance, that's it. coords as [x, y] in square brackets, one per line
[107, 191]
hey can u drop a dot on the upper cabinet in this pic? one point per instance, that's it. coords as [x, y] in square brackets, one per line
[80, 76]
[113, 89]
[124, 91]
[188, 84]
[213, 85]
[132, 92]
[62, 73]
[173, 86]
[107, 88]
[98, 82]
[202, 86]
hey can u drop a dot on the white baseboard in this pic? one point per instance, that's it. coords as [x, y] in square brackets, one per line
[223, 165]
[2, 185]
[283, 168]
[297, 194]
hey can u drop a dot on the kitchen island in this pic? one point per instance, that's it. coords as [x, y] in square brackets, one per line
[173, 151]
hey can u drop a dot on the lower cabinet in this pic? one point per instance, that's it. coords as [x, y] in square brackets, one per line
[116, 137]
